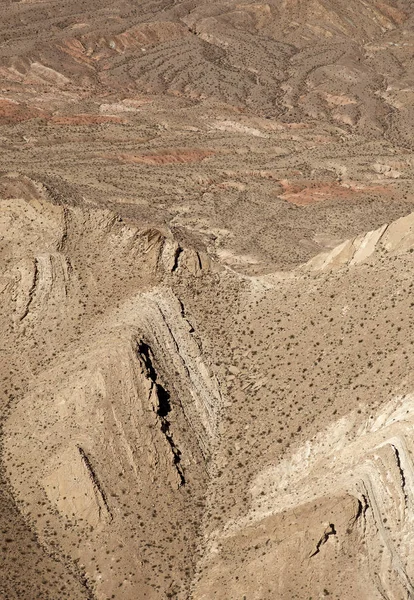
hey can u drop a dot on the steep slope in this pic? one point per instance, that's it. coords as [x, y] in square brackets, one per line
[315, 457]
[206, 243]
[263, 449]
[109, 439]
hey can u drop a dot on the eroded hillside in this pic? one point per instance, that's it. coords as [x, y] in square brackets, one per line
[206, 242]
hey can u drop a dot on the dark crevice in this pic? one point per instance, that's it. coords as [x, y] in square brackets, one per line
[365, 506]
[164, 407]
[177, 255]
[182, 311]
[359, 511]
[401, 470]
[200, 264]
[328, 532]
[144, 352]
[32, 291]
[95, 481]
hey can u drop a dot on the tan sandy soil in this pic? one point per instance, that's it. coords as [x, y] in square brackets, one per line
[206, 243]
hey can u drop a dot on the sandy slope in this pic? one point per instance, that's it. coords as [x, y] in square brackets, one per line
[206, 242]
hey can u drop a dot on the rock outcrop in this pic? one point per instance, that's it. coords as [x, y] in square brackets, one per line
[394, 238]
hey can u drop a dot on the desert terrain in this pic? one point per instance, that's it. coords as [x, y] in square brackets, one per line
[207, 301]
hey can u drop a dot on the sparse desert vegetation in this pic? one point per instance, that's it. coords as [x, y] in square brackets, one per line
[206, 316]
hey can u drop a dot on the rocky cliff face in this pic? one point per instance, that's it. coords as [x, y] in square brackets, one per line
[206, 244]
[121, 410]
[264, 449]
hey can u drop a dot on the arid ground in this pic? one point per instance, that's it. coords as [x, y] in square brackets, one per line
[207, 300]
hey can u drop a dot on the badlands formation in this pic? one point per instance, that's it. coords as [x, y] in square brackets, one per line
[207, 300]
